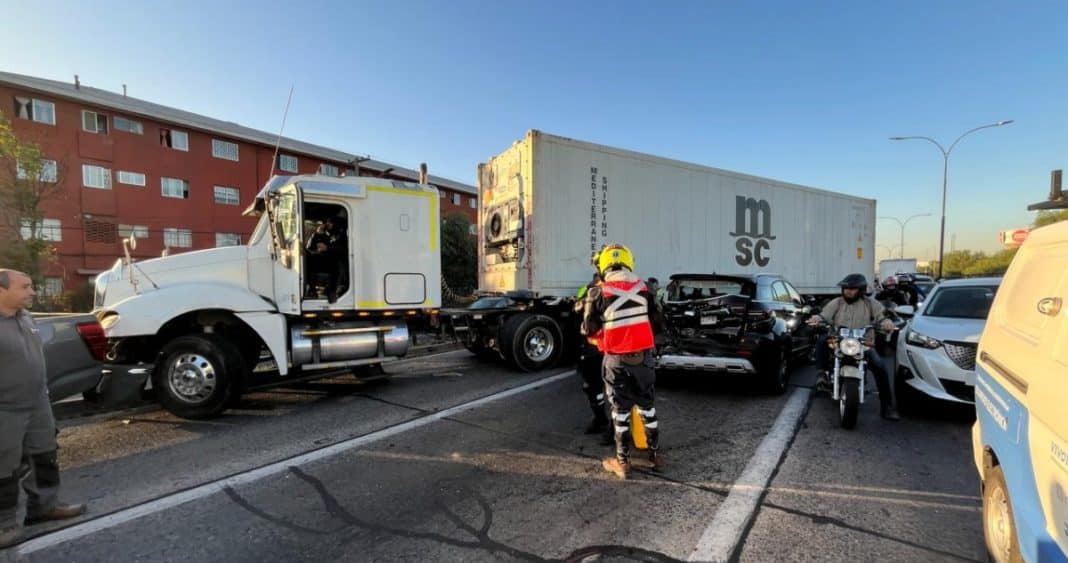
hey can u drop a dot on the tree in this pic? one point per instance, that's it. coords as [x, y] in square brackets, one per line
[459, 261]
[27, 180]
[1049, 217]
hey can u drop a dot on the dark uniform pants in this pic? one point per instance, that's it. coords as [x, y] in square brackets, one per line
[28, 455]
[592, 383]
[631, 380]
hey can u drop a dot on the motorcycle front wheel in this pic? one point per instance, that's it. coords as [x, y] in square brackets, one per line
[849, 403]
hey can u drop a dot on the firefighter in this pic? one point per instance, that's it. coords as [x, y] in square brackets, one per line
[621, 316]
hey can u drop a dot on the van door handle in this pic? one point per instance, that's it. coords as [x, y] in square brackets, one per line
[1050, 306]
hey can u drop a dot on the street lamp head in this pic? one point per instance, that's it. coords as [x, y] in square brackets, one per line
[897, 138]
[1006, 122]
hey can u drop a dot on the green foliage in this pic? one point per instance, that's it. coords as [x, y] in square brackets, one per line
[968, 263]
[1049, 217]
[459, 261]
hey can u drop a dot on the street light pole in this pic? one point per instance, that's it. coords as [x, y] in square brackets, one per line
[902, 224]
[945, 178]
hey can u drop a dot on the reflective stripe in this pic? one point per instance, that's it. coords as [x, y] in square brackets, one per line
[623, 417]
[628, 312]
[652, 424]
[649, 413]
[600, 396]
[625, 322]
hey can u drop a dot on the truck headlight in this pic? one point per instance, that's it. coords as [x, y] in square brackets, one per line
[917, 339]
[850, 346]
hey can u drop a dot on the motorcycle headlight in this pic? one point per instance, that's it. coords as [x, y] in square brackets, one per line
[850, 346]
[917, 339]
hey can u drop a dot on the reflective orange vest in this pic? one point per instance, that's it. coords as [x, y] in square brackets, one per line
[626, 317]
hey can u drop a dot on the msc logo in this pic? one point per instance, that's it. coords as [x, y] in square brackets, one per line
[752, 228]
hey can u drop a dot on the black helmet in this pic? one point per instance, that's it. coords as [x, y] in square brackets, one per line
[857, 281]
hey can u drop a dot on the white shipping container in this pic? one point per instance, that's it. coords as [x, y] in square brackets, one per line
[548, 202]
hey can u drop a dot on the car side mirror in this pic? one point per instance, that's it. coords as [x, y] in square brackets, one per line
[906, 311]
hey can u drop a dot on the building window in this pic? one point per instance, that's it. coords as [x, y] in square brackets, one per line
[36, 110]
[328, 170]
[47, 229]
[227, 239]
[473, 203]
[131, 178]
[224, 149]
[128, 125]
[287, 162]
[227, 196]
[53, 287]
[94, 122]
[456, 199]
[174, 187]
[175, 139]
[177, 238]
[101, 231]
[96, 177]
[138, 231]
[49, 171]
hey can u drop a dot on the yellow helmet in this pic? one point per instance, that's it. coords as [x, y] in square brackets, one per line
[614, 255]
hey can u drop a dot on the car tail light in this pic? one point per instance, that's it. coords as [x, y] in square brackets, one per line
[94, 337]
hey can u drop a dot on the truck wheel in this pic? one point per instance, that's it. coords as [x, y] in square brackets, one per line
[197, 375]
[531, 342]
[999, 528]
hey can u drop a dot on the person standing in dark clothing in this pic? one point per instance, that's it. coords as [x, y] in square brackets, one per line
[27, 427]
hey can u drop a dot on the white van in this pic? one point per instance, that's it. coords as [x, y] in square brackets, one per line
[1020, 438]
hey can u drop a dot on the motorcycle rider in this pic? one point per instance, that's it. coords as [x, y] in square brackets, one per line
[890, 292]
[621, 315]
[853, 309]
[589, 367]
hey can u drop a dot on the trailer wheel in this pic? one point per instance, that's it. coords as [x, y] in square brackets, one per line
[531, 342]
[197, 375]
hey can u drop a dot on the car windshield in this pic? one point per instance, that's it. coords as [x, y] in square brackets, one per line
[961, 302]
[683, 289]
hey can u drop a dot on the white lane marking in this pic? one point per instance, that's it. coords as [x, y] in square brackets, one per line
[170, 501]
[720, 538]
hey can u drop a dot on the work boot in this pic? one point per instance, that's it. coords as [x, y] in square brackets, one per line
[10, 536]
[620, 467]
[657, 461]
[823, 382]
[890, 413]
[58, 512]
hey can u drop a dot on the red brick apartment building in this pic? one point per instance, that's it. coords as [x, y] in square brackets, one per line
[176, 179]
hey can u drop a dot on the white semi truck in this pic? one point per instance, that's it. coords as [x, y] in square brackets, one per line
[547, 202]
[196, 324]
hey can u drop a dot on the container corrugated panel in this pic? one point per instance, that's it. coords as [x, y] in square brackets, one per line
[548, 202]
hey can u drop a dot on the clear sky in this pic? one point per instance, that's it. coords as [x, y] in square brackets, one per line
[802, 91]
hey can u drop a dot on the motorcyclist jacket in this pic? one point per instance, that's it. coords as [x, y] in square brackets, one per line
[858, 314]
[620, 313]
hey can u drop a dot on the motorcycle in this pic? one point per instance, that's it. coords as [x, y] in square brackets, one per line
[849, 375]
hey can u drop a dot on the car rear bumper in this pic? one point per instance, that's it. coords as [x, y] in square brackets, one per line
[705, 363]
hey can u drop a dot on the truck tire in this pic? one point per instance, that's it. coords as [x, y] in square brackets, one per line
[531, 342]
[999, 527]
[198, 375]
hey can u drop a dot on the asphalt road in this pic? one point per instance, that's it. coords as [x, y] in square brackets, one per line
[454, 459]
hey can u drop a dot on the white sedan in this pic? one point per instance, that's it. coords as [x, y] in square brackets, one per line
[936, 355]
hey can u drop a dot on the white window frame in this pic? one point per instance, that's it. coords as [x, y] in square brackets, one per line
[49, 171]
[329, 170]
[97, 116]
[282, 163]
[138, 231]
[220, 149]
[136, 127]
[167, 188]
[174, 237]
[225, 199]
[105, 177]
[37, 110]
[178, 134]
[473, 202]
[47, 229]
[131, 178]
[48, 288]
[456, 199]
[231, 239]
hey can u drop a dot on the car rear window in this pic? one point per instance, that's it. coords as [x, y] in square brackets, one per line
[703, 289]
[961, 302]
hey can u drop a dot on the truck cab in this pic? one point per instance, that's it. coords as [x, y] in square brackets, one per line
[332, 276]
